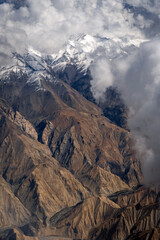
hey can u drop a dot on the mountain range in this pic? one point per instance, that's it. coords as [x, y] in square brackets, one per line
[68, 164]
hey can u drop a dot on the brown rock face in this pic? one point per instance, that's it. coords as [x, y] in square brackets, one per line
[19, 152]
[78, 220]
[101, 182]
[138, 218]
[37, 105]
[74, 129]
[66, 170]
[41, 184]
[12, 211]
[81, 139]
[48, 189]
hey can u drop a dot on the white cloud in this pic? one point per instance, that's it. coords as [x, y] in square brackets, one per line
[47, 25]
[139, 82]
[102, 77]
[137, 77]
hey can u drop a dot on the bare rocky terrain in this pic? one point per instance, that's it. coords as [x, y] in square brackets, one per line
[67, 171]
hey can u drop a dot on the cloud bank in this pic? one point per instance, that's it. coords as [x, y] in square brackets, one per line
[47, 25]
[138, 79]
[137, 76]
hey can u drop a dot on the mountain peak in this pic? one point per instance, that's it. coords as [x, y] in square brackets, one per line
[80, 51]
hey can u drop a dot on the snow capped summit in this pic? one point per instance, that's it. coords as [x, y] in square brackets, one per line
[80, 51]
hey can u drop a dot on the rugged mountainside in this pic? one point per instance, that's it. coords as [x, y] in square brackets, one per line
[12, 211]
[74, 129]
[138, 218]
[31, 170]
[65, 169]
[112, 104]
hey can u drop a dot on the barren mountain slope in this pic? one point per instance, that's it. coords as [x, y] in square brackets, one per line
[64, 160]
[138, 218]
[41, 184]
[73, 127]
[78, 220]
[12, 211]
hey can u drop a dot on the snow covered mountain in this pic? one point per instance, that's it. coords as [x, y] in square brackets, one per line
[79, 51]
[82, 51]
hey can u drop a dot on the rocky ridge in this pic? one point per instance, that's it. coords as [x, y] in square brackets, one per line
[67, 168]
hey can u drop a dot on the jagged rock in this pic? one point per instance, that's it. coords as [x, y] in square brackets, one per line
[25, 125]
[17, 119]
[19, 153]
